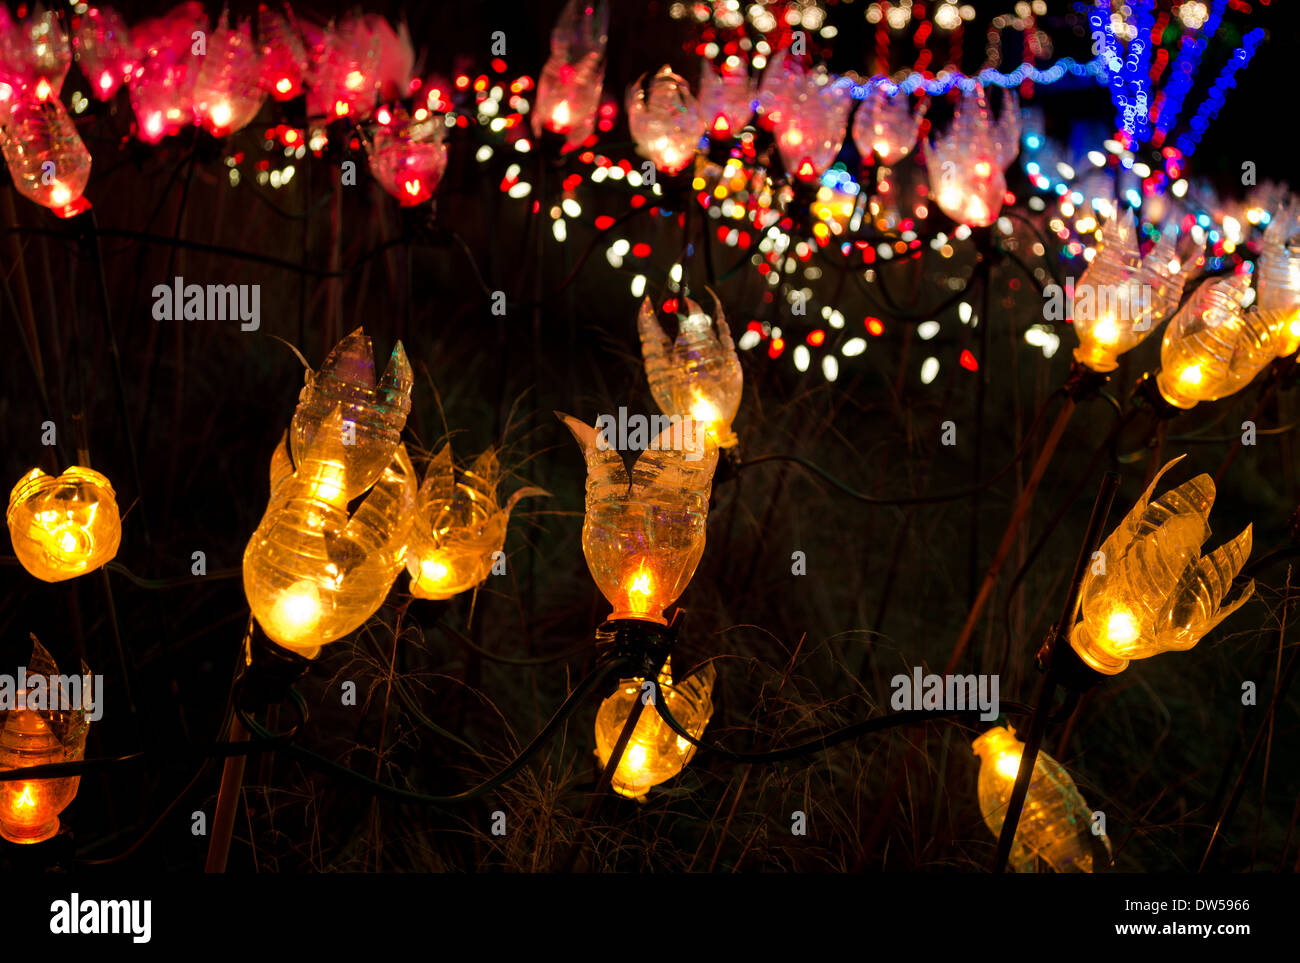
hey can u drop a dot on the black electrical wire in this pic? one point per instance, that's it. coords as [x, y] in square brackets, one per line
[826, 741]
[591, 683]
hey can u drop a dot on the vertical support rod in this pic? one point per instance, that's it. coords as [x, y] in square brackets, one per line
[1038, 724]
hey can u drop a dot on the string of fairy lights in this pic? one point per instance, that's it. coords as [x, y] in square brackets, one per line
[348, 512]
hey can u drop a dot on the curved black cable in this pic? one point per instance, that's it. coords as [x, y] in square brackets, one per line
[820, 743]
[591, 683]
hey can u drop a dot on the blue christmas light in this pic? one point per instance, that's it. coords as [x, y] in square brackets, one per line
[1226, 80]
[1183, 71]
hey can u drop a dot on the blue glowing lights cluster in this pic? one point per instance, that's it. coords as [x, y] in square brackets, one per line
[944, 82]
[1226, 80]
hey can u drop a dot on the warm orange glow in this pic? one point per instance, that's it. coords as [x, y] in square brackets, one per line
[655, 753]
[560, 117]
[459, 532]
[1056, 823]
[643, 539]
[1155, 592]
[63, 526]
[313, 572]
[29, 809]
[696, 375]
[283, 85]
[1214, 346]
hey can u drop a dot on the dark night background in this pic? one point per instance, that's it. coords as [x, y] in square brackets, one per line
[887, 588]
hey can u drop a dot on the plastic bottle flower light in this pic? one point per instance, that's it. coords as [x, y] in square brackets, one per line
[698, 375]
[459, 526]
[654, 754]
[643, 534]
[408, 158]
[1155, 593]
[374, 414]
[41, 728]
[344, 78]
[103, 46]
[1279, 279]
[63, 526]
[665, 120]
[162, 84]
[809, 112]
[966, 164]
[726, 98]
[284, 55]
[45, 155]
[568, 90]
[35, 134]
[1055, 825]
[227, 91]
[885, 125]
[1214, 346]
[1122, 297]
[34, 57]
[312, 572]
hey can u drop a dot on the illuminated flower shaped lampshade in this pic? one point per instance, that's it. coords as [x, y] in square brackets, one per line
[312, 572]
[396, 56]
[34, 57]
[460, 526]
[1214, 346]
[1056, 823]
[284, 55]
[664, 120]
[726, 98]
[886, 125]
[1155, 592]
[103, 46]
[966, 164]
[374, 413]
[809, 112]
[1279, 279]
[227, 91]
[568, 90]
[344, 77]
[408, 159]
[162, 84]
[643, 534]
[41, 728]
[63, 526]
[1122, 297]
[45, 155]
[654, 754]
[698, 374]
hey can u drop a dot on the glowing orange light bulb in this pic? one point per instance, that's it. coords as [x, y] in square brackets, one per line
[63, 526]
[313, 571]
[32, 736]
[1214, 346]
[1153, 592]
[459, 531]
[1056, 823]
[696, 375]
[643, 535]
[655, 753]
